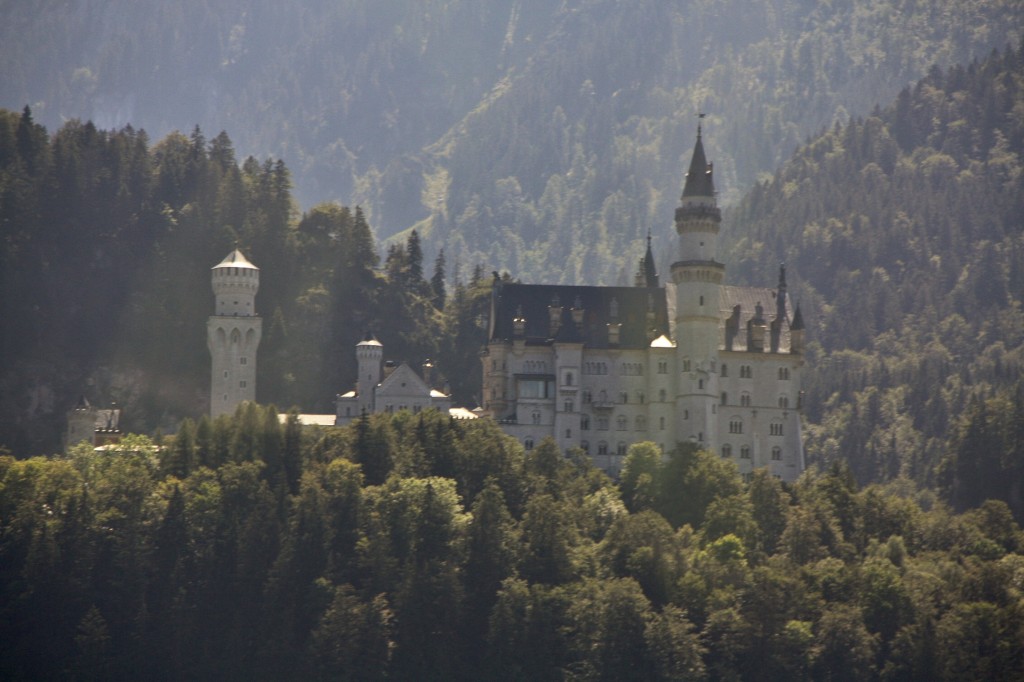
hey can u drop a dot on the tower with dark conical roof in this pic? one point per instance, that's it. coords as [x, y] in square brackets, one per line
[697, 276]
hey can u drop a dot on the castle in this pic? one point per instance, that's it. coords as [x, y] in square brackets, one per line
[600, 368]
[596, 368]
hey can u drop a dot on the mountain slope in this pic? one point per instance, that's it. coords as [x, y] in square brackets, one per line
[539, 137]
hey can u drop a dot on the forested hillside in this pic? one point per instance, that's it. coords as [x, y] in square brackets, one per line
[106, 245]
[904, 233]
[417, 547]
[543, 138]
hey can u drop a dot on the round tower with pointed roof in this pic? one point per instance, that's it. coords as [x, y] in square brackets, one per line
[697, 276]
[233, 333]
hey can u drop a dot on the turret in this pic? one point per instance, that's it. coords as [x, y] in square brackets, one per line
[233, 333]
[698, 278]
[369, 354]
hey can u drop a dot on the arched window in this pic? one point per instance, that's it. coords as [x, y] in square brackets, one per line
[528, 444]
[735, 425]
[621, 422]
[776, 454]
[602, 448]
[783, 401]
[744, 452]
[726, 450]
[620, 450]
[745, 400]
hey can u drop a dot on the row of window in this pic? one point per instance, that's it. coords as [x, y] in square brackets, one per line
[736, 426]
[745, 452]
[745, 400]
[621, 423]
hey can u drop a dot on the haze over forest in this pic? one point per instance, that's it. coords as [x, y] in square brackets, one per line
[378, 160]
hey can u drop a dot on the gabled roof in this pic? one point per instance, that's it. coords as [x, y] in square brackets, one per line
[404, 381]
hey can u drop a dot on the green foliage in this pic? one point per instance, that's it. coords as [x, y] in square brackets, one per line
[117, 565]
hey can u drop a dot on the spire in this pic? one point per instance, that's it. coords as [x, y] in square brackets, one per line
[780, 297]
[699, 181]
[798, 320]
[646, 274]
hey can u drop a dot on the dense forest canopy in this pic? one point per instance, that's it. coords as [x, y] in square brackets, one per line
[418, 547]
[539, 137]
[904, 233]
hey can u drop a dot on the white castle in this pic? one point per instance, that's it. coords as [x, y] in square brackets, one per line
[597, 368]
[233, 333]
[600, 368]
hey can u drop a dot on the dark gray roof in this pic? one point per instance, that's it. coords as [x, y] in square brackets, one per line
[699, 180]
[532, 302]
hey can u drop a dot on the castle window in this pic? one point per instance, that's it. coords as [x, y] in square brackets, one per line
[745, 400]
[776, 429]
[735, 425]
[746, 372]
[585, 446]
[725, 370]
[776, 454]
[744, 452]
[569, 407]
[641, 423]
[726, 450]
[662, 366]
[784, 373]
[725, 398]
[602, 448]
[585, 422]
[700, 384]
[568, 433]
[623, 397]
[536, 417]
[640, 397]
[528, 444]
[241, 384]
[568, 378]
[661, 395]
[686, 365]
[586, 397]
[602, 423]
[783, 401]
[621, 422]
[243, 361]
[620, 450]
[702, 300]
[661, 423]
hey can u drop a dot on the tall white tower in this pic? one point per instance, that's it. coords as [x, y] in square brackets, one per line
[233, 333]
[369, 353]
[697, 276]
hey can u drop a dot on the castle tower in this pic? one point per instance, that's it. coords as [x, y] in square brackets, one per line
[697, 276]
[233, 333]
[81, 424]
[369, 354]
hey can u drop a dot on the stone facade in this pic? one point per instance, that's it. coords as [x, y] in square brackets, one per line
[695, 361]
